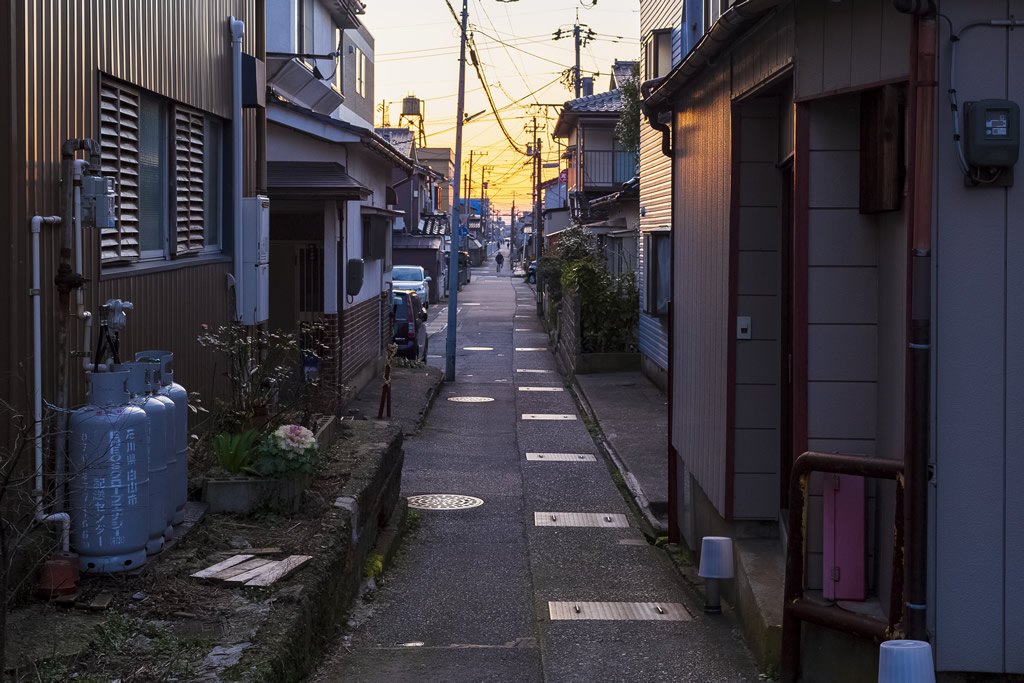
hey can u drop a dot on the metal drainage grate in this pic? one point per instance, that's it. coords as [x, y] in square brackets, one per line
[561, 457]
[619, 611]
[590, 519]
[470, 399]
[444, 501]
[541, 389]
[547, 416]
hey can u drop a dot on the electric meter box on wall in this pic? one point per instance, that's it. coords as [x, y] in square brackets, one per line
[991, 133]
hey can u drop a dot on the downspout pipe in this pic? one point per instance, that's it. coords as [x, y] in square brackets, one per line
[652, 116]
[237, 31]
[37, 384]
[918, 307]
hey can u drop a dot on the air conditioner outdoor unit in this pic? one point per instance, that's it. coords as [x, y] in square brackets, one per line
[255, 260]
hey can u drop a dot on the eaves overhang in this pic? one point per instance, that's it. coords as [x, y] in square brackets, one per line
[722, 35]
[334, 130]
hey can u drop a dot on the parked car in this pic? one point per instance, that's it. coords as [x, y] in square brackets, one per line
[413, 278]
[410, 330]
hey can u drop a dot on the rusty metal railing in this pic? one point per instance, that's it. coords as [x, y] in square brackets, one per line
[797, 608]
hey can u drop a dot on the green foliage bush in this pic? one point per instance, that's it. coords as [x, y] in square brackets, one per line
[609, 306]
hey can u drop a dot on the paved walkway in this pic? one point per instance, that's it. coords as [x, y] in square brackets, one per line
[633, 415]
[469, 597]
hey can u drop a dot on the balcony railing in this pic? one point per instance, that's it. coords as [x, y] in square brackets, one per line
[607, 168]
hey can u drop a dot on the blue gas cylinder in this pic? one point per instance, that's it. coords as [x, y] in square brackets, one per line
[140, 381]
[177, 467]
[109, 483]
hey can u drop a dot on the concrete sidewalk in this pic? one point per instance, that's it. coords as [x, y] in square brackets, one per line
[412, 390]
[633, 415]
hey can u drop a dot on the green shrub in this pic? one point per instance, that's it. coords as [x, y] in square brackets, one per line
[609, 306]
[236, 453]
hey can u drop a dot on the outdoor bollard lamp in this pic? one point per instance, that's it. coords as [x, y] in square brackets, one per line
[906, 661]
[715, 564]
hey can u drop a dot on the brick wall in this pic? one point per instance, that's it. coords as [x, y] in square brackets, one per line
[329, 364]
[360, 337]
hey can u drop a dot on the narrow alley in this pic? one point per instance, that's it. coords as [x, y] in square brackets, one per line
[476, 592]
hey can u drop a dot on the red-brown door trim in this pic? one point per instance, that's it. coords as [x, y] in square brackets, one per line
[801, 206]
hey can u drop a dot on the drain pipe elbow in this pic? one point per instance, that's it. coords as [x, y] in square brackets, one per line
[65, 527]
[663, 128]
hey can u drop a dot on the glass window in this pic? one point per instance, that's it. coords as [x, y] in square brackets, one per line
[213, 183]
[338, 60]
[407, 274]
[308, 30]
[152, 181]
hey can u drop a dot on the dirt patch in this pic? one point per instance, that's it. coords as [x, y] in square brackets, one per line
[162, 624]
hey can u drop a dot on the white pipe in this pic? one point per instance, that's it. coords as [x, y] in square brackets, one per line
[37, 383]
[237, 31]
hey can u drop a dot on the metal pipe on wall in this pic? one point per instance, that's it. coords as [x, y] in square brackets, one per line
[918, 312]
[237, 31]
[37, 384]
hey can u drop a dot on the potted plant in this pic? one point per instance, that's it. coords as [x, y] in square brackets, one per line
[271, 471]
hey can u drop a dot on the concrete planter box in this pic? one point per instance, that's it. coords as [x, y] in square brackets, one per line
[591, 363]
[244, 495]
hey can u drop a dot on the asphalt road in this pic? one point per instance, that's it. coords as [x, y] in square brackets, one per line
[468, 598]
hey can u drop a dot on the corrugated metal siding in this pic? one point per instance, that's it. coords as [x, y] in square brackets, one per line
[59, 48]
[702, 132]
[846, 44]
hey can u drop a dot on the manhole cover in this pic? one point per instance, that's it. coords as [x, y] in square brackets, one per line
[471, 399]
[444, 501]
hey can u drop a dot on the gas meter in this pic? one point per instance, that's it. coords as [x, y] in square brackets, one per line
[99, 203]
[991, 133]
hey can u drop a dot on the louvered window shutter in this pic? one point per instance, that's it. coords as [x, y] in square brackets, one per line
[119, 140]
[188, 166]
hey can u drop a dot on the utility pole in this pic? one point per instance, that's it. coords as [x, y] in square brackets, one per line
[576, 37]
[453, 254]
[582, 35]
[512, 232]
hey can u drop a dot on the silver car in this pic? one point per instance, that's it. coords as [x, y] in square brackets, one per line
[412, 278]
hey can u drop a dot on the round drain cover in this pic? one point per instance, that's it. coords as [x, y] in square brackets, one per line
[444, 501]
[471, 399]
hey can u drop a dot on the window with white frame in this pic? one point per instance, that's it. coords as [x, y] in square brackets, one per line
[657, 272]
[360, 62]
[167, 162]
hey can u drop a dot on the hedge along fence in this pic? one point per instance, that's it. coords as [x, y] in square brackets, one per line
[609, 306]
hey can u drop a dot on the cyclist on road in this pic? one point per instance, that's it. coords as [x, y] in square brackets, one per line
[499, 259]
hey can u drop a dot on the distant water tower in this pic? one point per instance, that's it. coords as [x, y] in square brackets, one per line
[412, 113]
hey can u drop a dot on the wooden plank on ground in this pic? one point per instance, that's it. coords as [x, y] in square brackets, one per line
[242, 579]
[248, 565]
[281, 570]
[257, 551]
[220, 566]
[101, 602]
